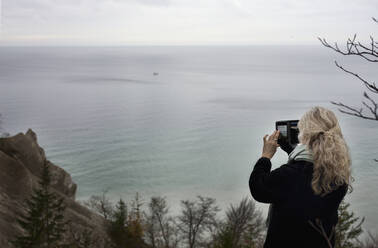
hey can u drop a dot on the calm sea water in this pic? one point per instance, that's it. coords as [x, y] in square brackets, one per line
[196, 128]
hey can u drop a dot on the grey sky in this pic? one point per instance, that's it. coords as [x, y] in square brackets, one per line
[181, 22]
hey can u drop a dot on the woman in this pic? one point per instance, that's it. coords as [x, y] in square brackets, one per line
[306, 192]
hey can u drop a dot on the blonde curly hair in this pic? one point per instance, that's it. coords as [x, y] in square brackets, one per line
[319, 129]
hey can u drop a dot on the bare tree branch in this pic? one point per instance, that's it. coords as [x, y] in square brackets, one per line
[100, 204]
[320, 229]
[352, 111]
[160, 227]
[195, 218]
[355, 48]
[243, 227]
[371, 241]
[370, 86]
[373, 108]
[369, 53]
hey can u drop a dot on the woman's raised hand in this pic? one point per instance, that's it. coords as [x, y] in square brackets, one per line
[270, 144]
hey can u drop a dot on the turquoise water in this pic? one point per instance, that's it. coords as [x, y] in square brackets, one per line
[196, 128]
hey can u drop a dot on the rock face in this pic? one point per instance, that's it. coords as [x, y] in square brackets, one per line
[21, 160]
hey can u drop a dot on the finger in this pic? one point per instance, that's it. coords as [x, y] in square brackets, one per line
[276, 135]
[265, 137]
[271, 137]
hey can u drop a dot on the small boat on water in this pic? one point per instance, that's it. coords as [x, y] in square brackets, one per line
[155, 73]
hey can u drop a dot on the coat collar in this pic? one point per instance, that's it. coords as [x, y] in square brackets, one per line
[301, 153]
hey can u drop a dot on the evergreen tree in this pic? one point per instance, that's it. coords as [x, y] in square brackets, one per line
[118, 226]
[126, 228]
[135, 218]
[348, 228]
[43, 224]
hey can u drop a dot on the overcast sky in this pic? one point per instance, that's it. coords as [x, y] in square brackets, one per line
[183, 22]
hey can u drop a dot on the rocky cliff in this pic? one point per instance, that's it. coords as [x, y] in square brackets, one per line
[21, 160]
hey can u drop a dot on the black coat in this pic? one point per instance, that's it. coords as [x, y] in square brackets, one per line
[294, 204]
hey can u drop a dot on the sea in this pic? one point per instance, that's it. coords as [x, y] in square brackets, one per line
[181, 121]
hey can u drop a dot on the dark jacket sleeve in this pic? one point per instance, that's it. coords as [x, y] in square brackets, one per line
[269, 186]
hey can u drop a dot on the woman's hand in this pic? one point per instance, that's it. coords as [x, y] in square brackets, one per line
[270, 144]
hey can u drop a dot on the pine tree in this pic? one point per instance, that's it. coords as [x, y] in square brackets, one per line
[118, 226]
[126, 227]
[135, 218]
[43, 224]
[348, 228]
